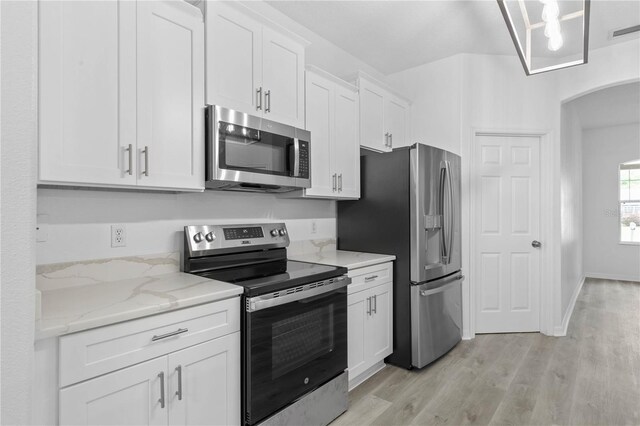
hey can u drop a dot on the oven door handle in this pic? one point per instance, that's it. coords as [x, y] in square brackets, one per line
[312, 290]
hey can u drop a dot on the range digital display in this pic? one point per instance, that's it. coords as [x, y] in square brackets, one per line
[243, 233]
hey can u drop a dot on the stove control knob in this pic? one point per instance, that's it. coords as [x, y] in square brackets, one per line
[210, 237]
[274, 232]
[198, 237]
[282, 232]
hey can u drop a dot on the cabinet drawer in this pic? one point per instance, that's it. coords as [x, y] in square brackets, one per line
[370, 276]
[94, 352]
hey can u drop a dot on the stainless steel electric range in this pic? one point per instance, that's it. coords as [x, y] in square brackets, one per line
[294, 324]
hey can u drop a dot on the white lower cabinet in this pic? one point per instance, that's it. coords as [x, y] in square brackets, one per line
[369, 317]
[127, 397]
[194, 385]
[204, 383]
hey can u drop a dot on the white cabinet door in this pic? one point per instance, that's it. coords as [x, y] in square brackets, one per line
[346, 149]
[396, 117]
[170, 95]
[204, 384]
[126, 397]
[379, 328]
[87, 100]
[282, 78]
[357, 319]
[319, 121]
[234, 59]
[372, 123]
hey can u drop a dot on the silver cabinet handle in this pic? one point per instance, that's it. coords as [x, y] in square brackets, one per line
[161, 400]
[390, 140]
[145, 151]
[334, 182]
[368, 305]
[173, 333]
[340, 182]
[179, 391]
[375, 303]
[267, 101]
[371, 278]
[258, 99]
[130, 150]
[386, 139]
[536, 244]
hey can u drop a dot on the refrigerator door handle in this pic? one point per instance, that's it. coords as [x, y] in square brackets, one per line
[442, 287]
[452, 213]
[444, 250]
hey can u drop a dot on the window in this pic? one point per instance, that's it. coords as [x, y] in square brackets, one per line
[630, 202]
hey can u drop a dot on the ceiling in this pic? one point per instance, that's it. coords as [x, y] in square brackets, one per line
[612, 106]
[392, 36]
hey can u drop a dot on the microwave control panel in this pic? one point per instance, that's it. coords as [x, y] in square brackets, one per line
[304, 160]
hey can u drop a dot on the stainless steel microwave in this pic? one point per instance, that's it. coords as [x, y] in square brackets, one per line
[247, 153]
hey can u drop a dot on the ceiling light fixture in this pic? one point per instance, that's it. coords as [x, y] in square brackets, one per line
[548, 34]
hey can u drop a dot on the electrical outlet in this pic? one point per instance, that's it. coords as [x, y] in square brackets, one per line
[118, 236]
[314, 227]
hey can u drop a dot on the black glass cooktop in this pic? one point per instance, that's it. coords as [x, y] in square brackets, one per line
[267, 277]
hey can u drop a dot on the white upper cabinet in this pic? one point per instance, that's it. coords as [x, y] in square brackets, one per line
[116, 77]
[170, 95]
[384, 116]
[253, 68]
[87, 85]
[234, 59]
[332, 119]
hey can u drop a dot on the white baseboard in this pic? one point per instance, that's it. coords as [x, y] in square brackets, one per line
[616, 277]
[374, 369]
[562, 330]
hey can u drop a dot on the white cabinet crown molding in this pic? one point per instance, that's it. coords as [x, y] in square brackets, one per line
[335, 79]
[382, 84]
[245, 9]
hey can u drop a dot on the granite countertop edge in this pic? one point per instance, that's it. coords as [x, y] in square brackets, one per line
[348, 259]
[57, 321]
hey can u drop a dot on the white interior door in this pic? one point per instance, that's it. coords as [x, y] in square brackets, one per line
[506, 222]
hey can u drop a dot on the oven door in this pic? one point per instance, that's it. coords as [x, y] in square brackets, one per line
[292, 348]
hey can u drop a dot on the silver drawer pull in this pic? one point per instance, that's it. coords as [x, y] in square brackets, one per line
[161, 400]
[371, 278]
[173, 333]
[179, 391]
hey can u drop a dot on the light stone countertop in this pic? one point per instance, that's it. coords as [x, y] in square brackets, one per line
[103, 301]
[347, 259]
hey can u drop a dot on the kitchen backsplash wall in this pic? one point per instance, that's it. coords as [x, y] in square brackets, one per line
[76, 224]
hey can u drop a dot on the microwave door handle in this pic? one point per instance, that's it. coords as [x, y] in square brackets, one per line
[296, 156]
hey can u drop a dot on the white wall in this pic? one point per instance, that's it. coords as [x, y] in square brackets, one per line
[604, 149]
[435, 90]
[484, 92]
[571, 205]
[79, 221]
[18, 177]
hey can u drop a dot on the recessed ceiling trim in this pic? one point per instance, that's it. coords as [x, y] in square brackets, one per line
[625, 31]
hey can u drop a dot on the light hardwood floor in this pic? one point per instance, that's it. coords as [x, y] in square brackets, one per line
[589, 377]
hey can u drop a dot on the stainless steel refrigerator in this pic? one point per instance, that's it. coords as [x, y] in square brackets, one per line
[410, 207]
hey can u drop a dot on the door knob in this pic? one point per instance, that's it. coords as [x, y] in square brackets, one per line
[536, 244]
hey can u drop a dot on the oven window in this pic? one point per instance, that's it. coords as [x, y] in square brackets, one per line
[246, 149]
[301, 339]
